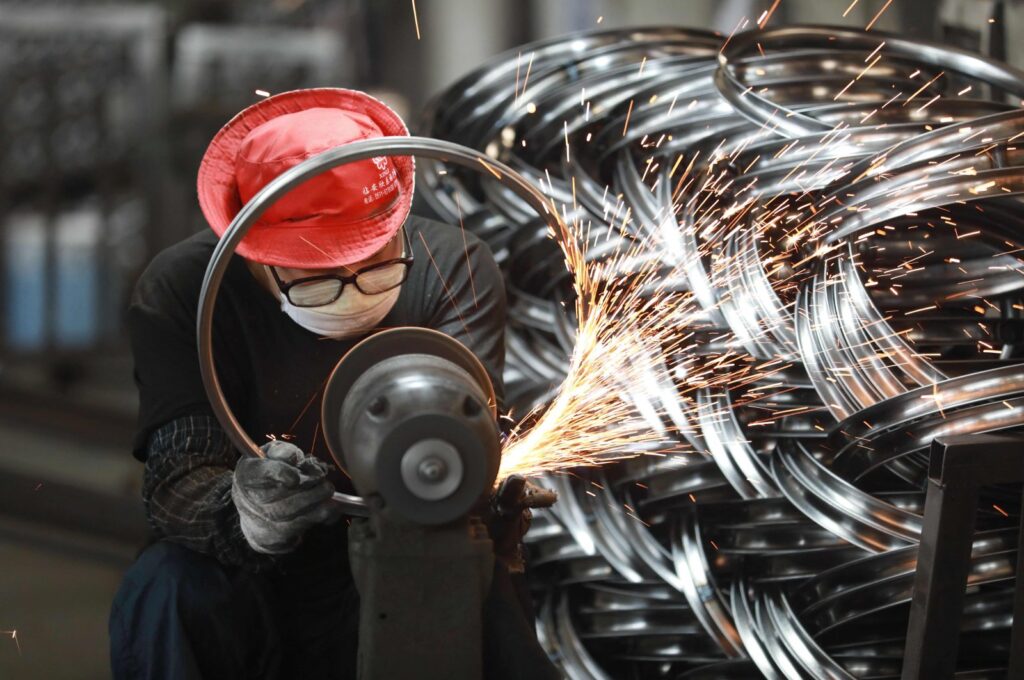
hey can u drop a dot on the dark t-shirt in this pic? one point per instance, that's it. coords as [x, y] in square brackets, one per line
[271, 369]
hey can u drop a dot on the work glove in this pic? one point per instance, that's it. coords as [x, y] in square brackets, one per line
[508, 517]
[280, 496]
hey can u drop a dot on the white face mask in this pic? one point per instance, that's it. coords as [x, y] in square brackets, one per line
[353, 313]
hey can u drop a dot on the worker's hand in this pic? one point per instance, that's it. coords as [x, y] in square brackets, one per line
[508, 517]
[280, 496]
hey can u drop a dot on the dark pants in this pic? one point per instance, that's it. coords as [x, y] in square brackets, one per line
[182, 615]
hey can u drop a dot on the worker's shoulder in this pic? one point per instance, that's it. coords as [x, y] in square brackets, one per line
[441, 233]
[178, 270]
[447, 245]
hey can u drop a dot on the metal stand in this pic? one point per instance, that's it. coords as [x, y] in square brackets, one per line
[959, 467]
[421, 595]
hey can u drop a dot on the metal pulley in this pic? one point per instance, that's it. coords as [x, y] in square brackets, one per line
[410, 414]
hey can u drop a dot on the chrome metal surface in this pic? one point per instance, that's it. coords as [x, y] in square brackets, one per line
[854, 220]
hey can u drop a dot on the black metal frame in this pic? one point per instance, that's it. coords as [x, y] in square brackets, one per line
[959, 467]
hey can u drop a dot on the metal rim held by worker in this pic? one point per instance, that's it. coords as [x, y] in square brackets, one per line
[281, 185]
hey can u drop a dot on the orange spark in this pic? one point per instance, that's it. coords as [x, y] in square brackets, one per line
[629, 112]
[767, 15]
[465, 248]
[878, 16]
[13, 634]
[444, 285]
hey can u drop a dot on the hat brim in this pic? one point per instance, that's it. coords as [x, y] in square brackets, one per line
[308, 245]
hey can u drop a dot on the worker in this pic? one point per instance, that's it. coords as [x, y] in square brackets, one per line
[248, 573]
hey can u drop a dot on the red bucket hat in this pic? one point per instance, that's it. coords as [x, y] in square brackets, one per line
[338, 217]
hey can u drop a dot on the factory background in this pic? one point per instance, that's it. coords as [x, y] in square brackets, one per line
[107, 108]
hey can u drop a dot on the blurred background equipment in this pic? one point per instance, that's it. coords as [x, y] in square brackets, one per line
[109, 105]
[84, 124]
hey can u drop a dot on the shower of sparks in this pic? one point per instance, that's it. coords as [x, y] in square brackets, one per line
[629, 324]
[618, 343]
[641, 350]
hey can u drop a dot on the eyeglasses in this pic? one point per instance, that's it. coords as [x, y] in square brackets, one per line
[323, 289]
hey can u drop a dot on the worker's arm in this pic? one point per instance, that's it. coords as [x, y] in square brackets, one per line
[198, 494]
[188, 458]
[195, 489]
[187, 490]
